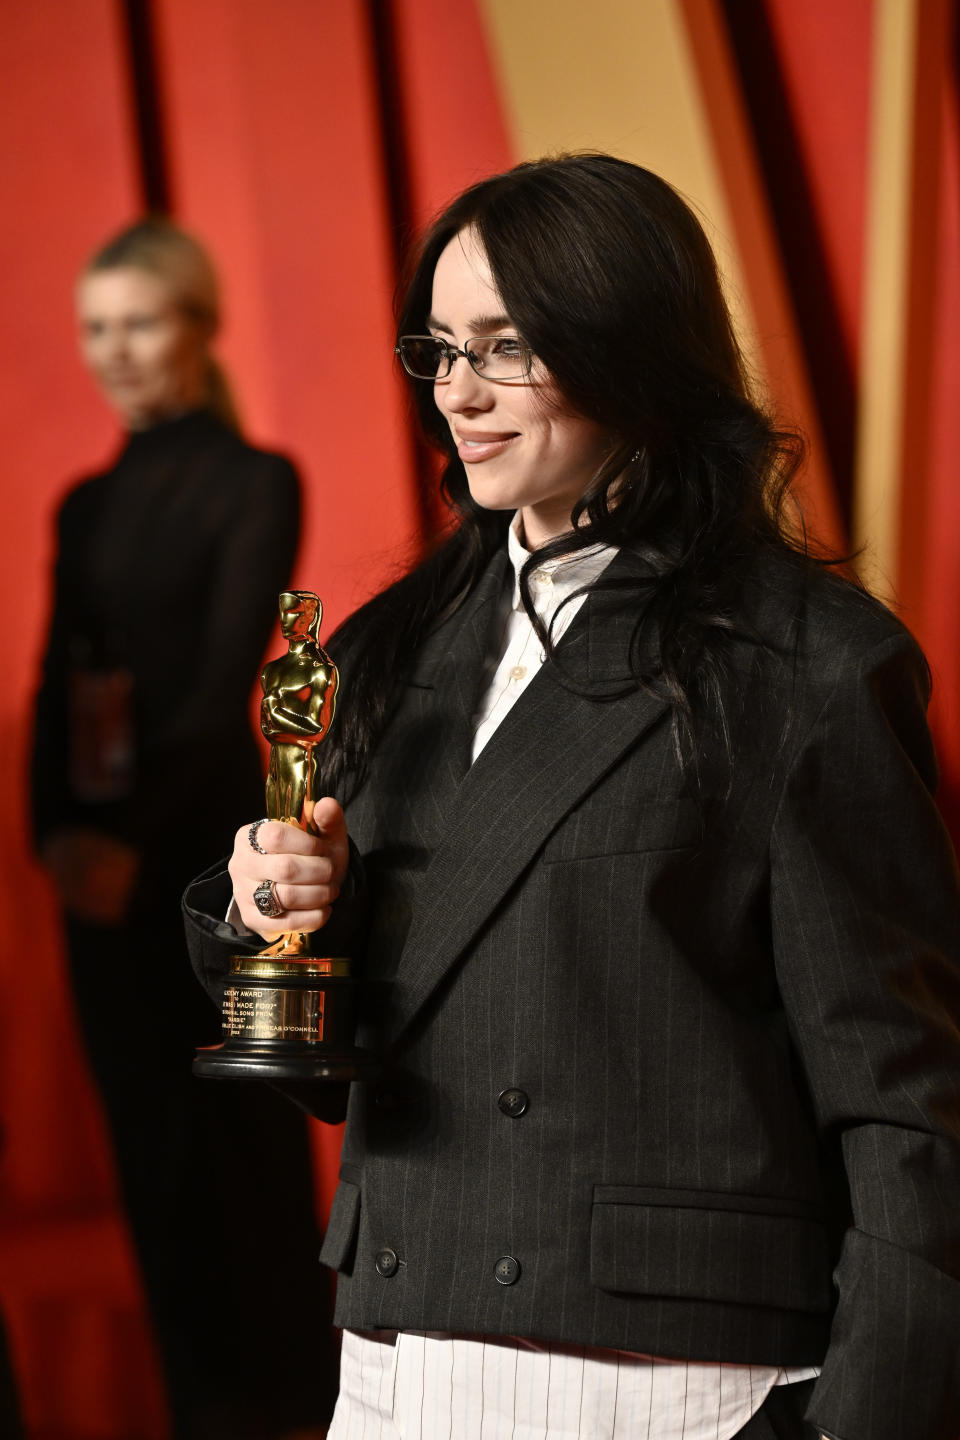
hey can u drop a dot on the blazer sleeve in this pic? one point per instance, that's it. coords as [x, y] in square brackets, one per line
[866, 924]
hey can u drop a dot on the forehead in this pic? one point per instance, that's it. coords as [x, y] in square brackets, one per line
[463, 286]
[123, 289]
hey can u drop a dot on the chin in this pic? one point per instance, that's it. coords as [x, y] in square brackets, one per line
[491, 496]
[137, 417]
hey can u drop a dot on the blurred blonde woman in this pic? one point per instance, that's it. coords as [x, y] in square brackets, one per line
[168, 567]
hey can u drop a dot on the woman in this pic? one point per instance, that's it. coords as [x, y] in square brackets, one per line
[637, 827]
[167, 573]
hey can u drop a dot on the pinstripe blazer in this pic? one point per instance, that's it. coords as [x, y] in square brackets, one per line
[730, 1009]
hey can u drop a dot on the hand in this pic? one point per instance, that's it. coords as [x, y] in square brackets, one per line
[308, 870]
[94, 873]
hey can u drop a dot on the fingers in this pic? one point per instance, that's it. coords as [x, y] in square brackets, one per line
[328, 816]
[288, 869]
[292, 873]
[275, 836]
[308, 921]
[297, 898]
[305, 920]
[330, 820]
[305, 907]
[307, 870]
[296, 868]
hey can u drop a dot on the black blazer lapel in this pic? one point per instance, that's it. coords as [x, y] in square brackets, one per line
[446, 685]
[549, 752]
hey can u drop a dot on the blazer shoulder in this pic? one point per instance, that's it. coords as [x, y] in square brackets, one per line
[816, 649]
[825, 621]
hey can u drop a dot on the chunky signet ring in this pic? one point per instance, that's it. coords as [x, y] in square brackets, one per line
[252, 835]
[265, 899]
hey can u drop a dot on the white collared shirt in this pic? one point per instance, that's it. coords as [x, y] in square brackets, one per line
[413, 1386]
[520, 652]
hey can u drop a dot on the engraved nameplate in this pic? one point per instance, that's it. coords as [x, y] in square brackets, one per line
[255, 1013]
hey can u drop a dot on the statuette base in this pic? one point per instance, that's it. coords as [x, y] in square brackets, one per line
[288, 1020]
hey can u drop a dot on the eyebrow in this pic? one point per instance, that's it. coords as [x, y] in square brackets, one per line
[479, 325]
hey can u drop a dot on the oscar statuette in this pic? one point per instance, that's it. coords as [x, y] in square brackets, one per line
[288, 1012]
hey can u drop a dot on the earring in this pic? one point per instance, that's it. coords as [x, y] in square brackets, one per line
[634, 457]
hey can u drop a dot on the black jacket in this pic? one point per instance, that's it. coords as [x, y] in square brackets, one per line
[168, 569]
[730, 1008]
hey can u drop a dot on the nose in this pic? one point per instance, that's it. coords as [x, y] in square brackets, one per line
[114, 342]
[463, 389]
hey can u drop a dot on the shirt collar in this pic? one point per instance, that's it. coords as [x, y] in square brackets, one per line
[562, 576]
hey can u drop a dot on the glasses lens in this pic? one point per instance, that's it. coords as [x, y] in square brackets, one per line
[423, 356]
[498, 357]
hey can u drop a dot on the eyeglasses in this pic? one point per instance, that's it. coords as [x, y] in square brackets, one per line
[495, 357]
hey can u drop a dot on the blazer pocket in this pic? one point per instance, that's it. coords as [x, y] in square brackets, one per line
[602, 829]
[696, 1245]
[339, 1242]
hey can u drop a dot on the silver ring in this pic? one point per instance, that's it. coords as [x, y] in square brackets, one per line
[252, 835]
[265, 899]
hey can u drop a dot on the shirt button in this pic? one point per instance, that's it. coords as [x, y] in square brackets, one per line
[518, 672]
[387, 1263]
[507, 1270]
[513, 1102]
[543, 578]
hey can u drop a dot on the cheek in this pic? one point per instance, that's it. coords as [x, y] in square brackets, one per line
[439, 391]
[582, 443]
[164, 357]
[154, 351]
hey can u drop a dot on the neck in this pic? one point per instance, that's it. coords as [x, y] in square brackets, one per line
[140, 421]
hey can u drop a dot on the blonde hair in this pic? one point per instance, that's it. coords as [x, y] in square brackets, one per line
[161, 248]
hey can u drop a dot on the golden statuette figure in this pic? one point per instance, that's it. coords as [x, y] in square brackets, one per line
[299, 702]
[289, 1014]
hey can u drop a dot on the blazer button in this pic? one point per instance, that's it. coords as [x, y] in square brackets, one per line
[513, 1103]
[507, 1270]
[387, 1263]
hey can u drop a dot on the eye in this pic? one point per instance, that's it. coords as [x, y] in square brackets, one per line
[424, 355]
[499, 357]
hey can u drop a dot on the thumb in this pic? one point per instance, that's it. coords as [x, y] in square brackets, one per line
[329, 818]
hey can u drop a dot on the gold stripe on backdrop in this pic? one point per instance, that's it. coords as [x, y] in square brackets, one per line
[616, 75]
[886, 278]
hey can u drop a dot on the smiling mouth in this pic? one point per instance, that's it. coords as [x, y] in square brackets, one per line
[484, 447]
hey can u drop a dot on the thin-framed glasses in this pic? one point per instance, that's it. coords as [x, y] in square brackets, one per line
[495, 357]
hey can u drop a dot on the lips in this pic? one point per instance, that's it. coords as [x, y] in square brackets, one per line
[477, 445]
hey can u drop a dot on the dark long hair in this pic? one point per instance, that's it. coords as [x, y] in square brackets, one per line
[609, 279]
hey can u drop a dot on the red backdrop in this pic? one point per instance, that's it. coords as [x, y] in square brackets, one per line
[278, 149]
